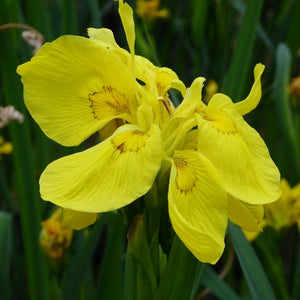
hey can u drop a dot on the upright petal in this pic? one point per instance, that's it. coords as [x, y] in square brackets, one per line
[192, 99]
[74, 86]
[126, 15]
[104, 36]
[252, 100]
[197, 205]
[107, 176]
[238, 153]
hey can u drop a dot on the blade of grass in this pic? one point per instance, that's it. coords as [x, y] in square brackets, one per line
[140, 280]
[26, 181]
[5, 253]
[96, 14]
[295, 291]
[240, 6]
[110, 276]
[281, 82]
[241, 59]
[293, 36]
[78, 267]
[268, 250]
[178, 277]
[6, 196]
[258, 283]
[217, 286]
[36, 15]
[200, 14]
[69, 16]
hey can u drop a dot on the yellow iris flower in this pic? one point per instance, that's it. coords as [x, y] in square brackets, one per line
[75, 86]
[149, 9]
[5, 147]
[285, 212]
[55, 236]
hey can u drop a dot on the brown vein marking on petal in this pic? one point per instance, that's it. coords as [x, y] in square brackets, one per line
[218, 119]
[162, 81]
[130, 141]
[185, 178]
[109, 103]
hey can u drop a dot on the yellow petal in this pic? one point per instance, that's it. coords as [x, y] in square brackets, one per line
[191, 140]
[6, 147]
[295, 192]
[248, 104]
[252, 235]
[74, 86]
[126, 15]
[104, 36]
[165, 79]
[238, 153]
[191, 100]
[245, 215]
[78, 220]
[197, 205]
[107, 176]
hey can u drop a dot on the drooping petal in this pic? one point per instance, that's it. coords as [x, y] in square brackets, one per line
[74, 86]
[78, 220]
[252, 100]
[197, 205]
[238, 153]
[245, 215]
[107, 176]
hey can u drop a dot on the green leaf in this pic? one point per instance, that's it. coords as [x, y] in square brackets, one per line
[69, 17]
[284, 112]
[5, 253]
[37, 15]
[217, 286]
[140, 281]
[293, 36]
[241, 59]
[75, 274]
[256, 278]
[198, 20]
[266, 246]
[179, 275]
[110, 282]
[24, 169]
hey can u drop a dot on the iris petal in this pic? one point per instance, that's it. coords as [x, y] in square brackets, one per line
[107, 176]
[78, 220]
[252, 100]
[245, 215]
[238, 153]
[197, 205]
[68, 80]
